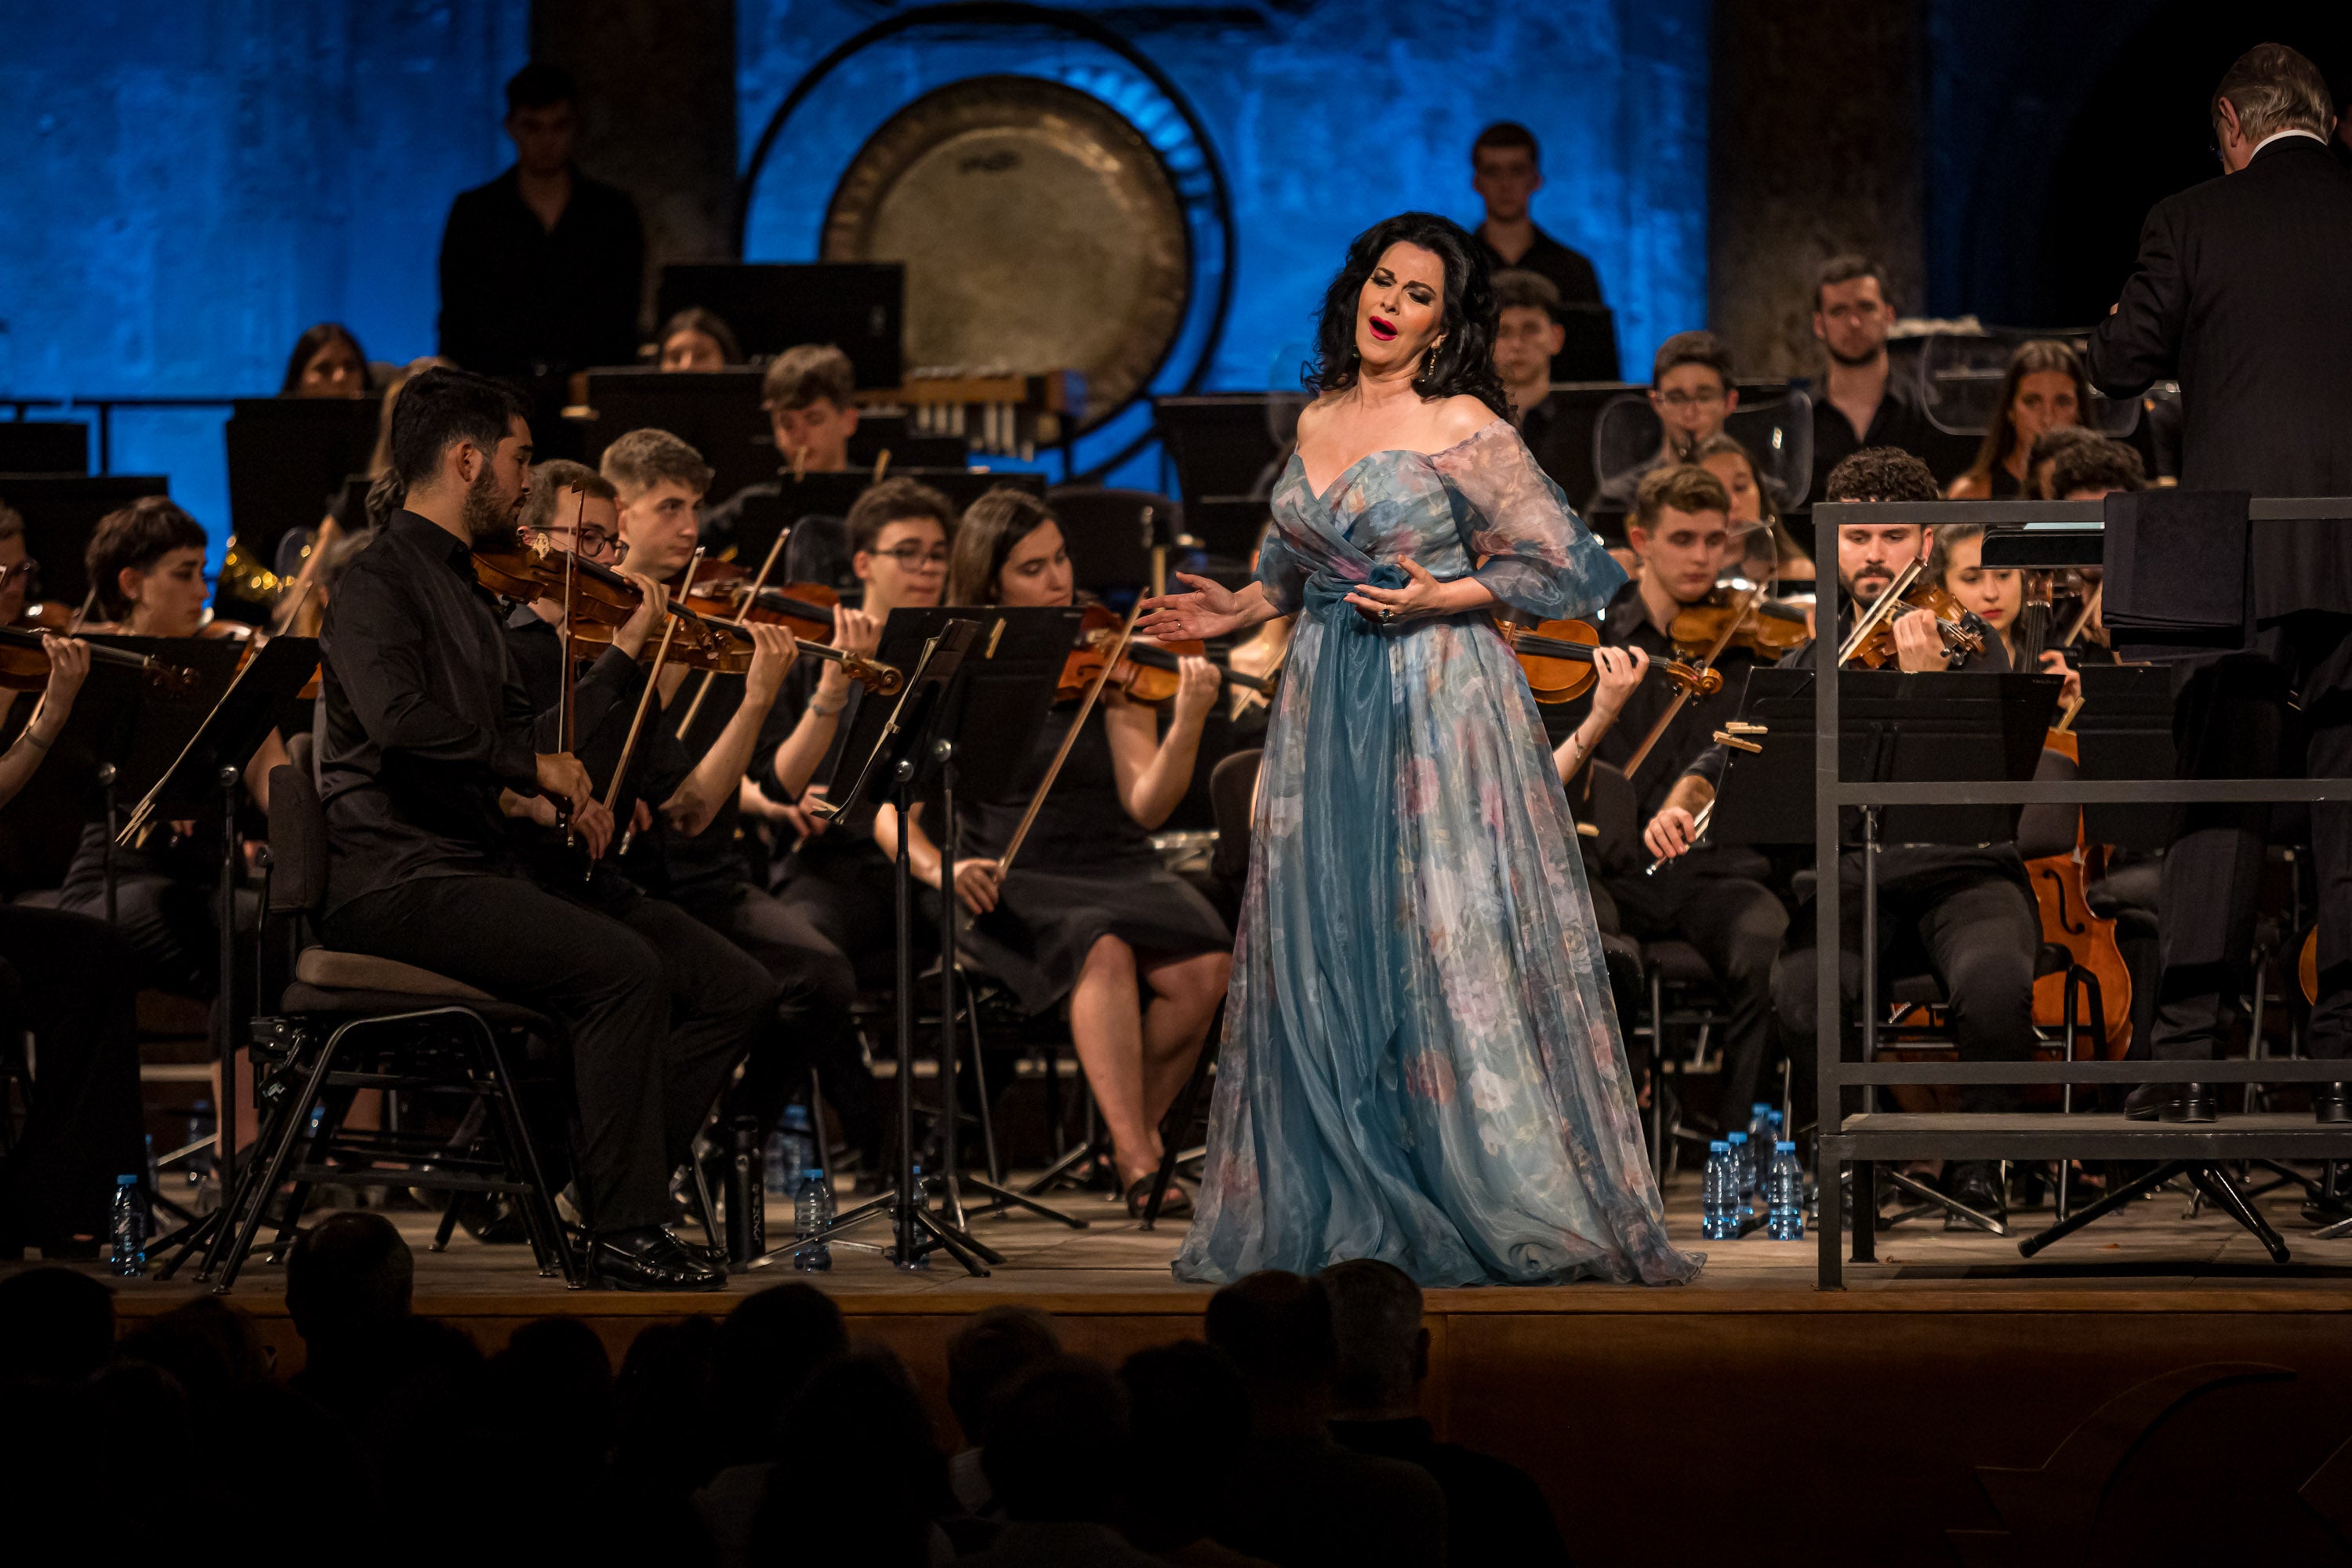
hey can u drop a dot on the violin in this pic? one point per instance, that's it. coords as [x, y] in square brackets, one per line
[602, 600]
[1557, 656]
[725, 590]
[25, 664]
[1871, 643]
[1145, 668]
[1775, 628]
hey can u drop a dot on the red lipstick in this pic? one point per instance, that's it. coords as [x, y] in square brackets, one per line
[1382, 329]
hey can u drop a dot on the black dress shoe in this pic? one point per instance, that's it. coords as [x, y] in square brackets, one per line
[1976, 1185]
[2332, 1103]
[2189, 1103]
[647, 1257]
[2147, 1100]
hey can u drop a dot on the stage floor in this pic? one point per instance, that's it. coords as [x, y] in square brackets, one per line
[2155, 1245]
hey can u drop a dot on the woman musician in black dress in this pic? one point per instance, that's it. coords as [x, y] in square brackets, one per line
[1089, 913]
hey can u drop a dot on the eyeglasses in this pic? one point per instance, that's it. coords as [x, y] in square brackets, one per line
[1691, 399]
[27, 572]
[915, 557]
[594, 543]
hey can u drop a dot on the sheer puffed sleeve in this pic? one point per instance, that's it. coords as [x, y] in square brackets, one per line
[1539, 559]
[1281, 573]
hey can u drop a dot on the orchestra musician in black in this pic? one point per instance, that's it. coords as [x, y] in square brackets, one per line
[1720, 900]
[427, 745]
[1967, 914]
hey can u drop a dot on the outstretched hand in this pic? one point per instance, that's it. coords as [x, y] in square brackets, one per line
[1210, 610]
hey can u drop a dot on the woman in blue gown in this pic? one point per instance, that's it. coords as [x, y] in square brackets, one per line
[1422, 1061]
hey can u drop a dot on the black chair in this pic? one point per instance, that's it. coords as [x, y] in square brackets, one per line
[348, 1022]
[1233, 794]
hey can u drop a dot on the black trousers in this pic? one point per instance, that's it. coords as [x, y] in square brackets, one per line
[68, 980]
[2232, 718]
[848, 896]
[1974, 928]
[658, 1007]
[1738, 924]
[809, 1024]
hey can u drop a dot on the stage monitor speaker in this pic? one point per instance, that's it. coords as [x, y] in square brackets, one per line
[858, 307]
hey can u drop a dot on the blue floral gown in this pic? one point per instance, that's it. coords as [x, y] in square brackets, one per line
[1422, 1061]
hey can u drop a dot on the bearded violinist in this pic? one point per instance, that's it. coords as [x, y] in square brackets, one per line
[426, 722]
[1720, 902]
[1966, 914]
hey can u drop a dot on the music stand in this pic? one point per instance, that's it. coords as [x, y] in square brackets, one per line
[858, 307]
[288, 460]
[820, 552]
[979, 682]
[715, 412]
[212, 762]
[2125, 733]
[44, 447]
[61, 511]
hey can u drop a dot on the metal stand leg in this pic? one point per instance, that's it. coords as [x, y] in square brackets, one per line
[2108, 1205]
[2216, 1182]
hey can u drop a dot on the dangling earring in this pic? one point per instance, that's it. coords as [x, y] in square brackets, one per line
[1429, 360]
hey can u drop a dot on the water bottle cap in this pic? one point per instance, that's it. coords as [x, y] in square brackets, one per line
[126, 1180]
[1717, 1146]
[1740, 1138]
[1786, 1146]
[796, 1116]
[1760, 1106]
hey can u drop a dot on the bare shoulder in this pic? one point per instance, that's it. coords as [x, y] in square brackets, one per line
[1460, 417]
[1312, 417]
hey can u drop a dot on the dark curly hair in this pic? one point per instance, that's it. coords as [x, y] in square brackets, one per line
[1880, 473]
[1463, 363]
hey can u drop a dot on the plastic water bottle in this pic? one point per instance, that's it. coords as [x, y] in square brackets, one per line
[1712, 1187]
[1786, 1190]
[129, 1257]
[792, 1151]
[811, 1212]
[1743, 1181]
[1772, 1132]
[1759, 1137]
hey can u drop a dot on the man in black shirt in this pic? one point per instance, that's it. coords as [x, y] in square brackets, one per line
[1506, 173]
[542, 269]
[428, 741]
[1860, 403]
[1526, 334]
[1692, 394]
[1720, 901]
[1966, 914]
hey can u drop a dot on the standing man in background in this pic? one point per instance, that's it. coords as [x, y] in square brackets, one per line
[1505, 173]
[2240, 291]
[542, 269]
[1862, 403]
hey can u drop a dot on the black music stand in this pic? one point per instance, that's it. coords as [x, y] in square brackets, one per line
[715, 412]
[61, 511]
[205, 775]
[44, 447]
[979, 681]
[289, 458]
[2125, 732]
[820, 552]
[1892, 728]
[858, 307]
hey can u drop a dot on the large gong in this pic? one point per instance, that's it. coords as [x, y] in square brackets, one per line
[1039, 230]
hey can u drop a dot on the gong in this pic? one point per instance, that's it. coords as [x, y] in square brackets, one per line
[1039, 232]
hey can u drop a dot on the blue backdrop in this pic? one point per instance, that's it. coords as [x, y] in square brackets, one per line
[193, 183]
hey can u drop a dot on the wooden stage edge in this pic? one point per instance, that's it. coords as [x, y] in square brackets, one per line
[2165, 1396]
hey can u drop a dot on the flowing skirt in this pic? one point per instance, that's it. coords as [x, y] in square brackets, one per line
[1422, 1061]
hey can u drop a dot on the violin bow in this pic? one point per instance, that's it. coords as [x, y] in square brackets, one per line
[1881, 608]
[1053, 771]
[565, 701]
[644, 702]
[749, 593]
[1683, 693]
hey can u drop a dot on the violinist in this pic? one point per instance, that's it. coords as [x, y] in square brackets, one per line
[1722, 903]
[1964, 913]
[1996, 596]
[425, 723]
[146, 566]
[18, 573]
[830, 871]
[809, 395]
[67, 982]
[694, 853]
[1091, 914]
[1761, 548]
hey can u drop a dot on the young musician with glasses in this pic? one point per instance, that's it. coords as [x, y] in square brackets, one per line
[1691, 390]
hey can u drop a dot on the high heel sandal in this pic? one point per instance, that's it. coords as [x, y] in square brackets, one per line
[1177, 1205]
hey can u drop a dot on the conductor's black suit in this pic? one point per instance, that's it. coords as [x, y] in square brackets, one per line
[2242, 292]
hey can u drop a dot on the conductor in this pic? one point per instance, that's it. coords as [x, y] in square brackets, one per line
[2241, 292]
